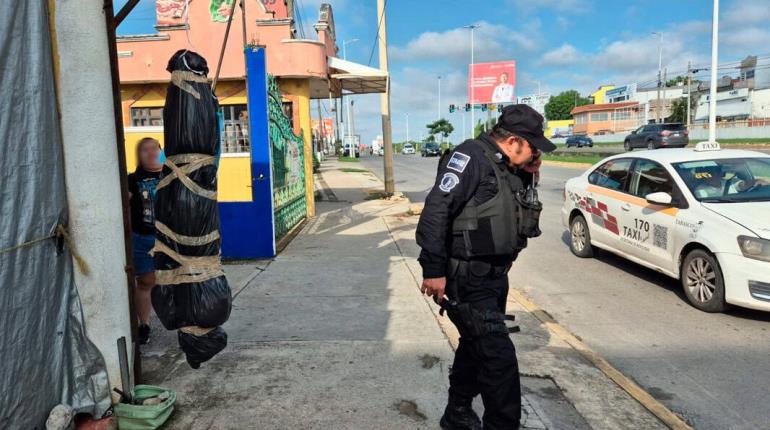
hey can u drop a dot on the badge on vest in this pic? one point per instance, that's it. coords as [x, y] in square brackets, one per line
[458, 162]
[448, 181]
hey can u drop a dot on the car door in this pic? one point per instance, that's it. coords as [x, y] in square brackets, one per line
[646, 229]
[636, 137]
[602, 203]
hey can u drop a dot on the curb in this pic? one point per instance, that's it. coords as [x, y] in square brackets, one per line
[665, 415]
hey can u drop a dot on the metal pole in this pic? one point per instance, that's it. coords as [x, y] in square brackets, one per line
[407, 127]
[713, 87]
[660, 67]
[473, 107]
[224, 45]
[439, 97]
[689, 90]
[385, 101]
[665, 82]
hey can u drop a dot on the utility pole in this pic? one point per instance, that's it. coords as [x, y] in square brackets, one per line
[407, 127]
[472, 27]
[713, 86]
[345, 57]
[665, 83]
[689, 90]
[385, 101]
[660, 67]
[319, 146]
[439, 97]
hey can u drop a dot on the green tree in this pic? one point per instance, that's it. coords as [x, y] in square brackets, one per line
[441, 127]
[679, 80]
[560, 106]
[480, 126]
[679, 110]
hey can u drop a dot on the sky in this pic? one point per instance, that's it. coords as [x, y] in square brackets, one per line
[558, 44]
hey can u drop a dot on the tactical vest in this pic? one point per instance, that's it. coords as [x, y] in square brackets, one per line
[500, 226]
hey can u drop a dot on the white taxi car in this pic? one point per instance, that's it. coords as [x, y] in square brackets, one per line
[699, 215]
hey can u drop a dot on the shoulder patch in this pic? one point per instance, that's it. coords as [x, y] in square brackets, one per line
[458, 162]
[448, 181]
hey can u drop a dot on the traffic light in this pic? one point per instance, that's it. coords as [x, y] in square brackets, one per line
[467, 107]
[452, 108]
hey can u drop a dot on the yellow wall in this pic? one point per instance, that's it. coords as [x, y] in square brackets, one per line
[599, 94]
[553, 124]
[301, 89]
[234, 174]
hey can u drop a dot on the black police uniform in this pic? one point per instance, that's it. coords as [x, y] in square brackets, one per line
[484, 364]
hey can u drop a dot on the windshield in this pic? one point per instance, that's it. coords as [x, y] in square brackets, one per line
[729, 180]
[431, 146]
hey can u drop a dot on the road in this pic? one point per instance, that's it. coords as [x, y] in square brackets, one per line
[711, 369]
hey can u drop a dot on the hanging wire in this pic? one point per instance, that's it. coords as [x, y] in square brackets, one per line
[377, 33]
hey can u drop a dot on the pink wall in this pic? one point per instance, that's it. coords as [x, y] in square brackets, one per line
[149, 56]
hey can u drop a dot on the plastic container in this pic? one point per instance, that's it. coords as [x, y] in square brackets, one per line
[145, 417]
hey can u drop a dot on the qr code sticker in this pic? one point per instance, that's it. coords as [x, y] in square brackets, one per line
[660, 236]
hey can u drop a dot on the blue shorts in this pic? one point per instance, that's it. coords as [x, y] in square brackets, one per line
[143, 262]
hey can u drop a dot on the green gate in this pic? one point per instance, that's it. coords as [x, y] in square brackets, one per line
[289, 206]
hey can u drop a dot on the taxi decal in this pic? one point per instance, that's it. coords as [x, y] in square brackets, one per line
[638, 201]
[599, 214]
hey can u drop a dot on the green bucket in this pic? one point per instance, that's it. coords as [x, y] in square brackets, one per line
[145, 417]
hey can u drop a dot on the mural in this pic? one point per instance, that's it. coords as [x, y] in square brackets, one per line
[171, 12]
[289, 204]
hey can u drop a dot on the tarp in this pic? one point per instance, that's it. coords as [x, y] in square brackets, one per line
[46, 357]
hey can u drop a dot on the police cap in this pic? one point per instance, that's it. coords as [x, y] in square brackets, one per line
[525, 122]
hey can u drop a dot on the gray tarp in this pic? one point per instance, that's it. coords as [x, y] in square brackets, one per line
[46, 357]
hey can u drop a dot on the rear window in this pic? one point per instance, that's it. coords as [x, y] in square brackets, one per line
[673, 127]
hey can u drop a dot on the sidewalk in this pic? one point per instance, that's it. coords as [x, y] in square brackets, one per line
[334, 334]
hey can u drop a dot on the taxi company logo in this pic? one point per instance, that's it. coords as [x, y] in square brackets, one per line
[599, 214]
[458, 162]
[639, 232]
[448, 181]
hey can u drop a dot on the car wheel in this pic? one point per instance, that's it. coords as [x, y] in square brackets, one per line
[702, 281]
[580, 238]
[651, 145]
[627, 146]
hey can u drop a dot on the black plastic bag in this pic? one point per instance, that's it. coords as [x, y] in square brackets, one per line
[192, 292]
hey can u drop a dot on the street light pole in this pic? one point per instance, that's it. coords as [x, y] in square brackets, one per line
[713, 86]
[387, 140]
[345, 57]
[660, 71]
[472, 27]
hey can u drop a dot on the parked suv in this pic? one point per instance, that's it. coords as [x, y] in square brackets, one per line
[654, 136]
[430, 150]
[579, 141]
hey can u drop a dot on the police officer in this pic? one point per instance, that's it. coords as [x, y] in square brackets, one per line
[475, 221]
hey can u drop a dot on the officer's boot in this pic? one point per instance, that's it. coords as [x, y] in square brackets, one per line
[460, 416]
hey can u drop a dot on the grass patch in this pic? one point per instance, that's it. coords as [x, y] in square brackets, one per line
[580, 158]
[348, 159]
[353, 170]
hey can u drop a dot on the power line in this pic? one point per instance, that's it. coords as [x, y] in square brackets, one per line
[377, 34]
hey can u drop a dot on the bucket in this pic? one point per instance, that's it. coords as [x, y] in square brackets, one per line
[145, 417]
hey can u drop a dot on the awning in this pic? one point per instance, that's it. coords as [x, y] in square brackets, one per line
[356, 78]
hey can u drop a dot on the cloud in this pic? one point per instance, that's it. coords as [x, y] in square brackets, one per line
[565, 55]
[566, 6]
[492, 42]
[747, 13]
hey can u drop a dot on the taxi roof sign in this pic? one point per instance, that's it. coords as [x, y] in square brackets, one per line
[707, 146]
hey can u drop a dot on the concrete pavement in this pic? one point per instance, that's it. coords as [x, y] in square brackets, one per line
[334, 334]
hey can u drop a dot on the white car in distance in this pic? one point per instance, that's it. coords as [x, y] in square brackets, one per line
[698, 215]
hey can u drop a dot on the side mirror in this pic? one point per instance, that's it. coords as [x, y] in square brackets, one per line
[660, 198]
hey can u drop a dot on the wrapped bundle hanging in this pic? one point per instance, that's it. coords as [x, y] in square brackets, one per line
[192, 294]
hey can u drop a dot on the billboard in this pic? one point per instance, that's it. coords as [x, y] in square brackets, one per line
[620, 94]
[535, 101]
[492, 82]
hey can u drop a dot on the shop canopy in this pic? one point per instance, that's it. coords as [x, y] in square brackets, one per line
[356, 78]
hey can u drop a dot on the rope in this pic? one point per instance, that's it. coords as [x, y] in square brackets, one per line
[182, 79]
[59, 232]
[195, 162]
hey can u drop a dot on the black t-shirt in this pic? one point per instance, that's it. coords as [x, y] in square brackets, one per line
[141, 185]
